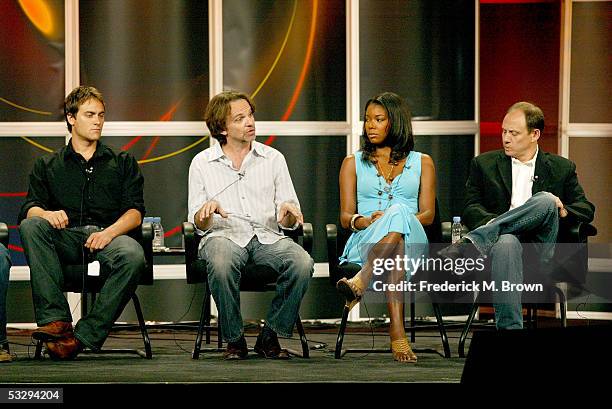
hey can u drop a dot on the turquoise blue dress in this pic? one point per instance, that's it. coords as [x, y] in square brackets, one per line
[400, 202]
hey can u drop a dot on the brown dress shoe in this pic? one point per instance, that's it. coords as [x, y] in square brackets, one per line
[64, 349]
[53, 330]
[5, 353]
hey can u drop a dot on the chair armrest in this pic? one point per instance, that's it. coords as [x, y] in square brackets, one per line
[576, 232]
[331, 232]
[4, 234]
[305, 232]
[446, 232]
[586, 230]
[307, 239]
[192, 241]
[146, 241]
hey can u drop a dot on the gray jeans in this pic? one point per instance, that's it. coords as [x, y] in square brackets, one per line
[225, 261]
[537, 221]
[121, 264]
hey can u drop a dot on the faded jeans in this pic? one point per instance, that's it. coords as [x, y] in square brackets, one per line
[121, 264]
[538, 220]
[225, 261]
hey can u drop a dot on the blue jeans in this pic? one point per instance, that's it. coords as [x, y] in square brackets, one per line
[225, 261]
[537, 220]
[121, 264]
[5, 267]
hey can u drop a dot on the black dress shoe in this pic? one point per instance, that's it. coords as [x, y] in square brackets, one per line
[267, 345]
[236, 350]
[463, 249]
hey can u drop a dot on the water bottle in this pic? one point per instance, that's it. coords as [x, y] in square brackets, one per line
[456, 230]
[158, 233]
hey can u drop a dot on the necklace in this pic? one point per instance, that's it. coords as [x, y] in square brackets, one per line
[389, 187]
[388, 178]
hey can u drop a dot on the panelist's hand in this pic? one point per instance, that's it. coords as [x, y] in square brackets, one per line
[287, 209]
[376, 215]
[209, 208]
[99, 240]
[562, 209]
[58, 219]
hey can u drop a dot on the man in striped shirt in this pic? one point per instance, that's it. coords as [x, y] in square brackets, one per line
[240, 197]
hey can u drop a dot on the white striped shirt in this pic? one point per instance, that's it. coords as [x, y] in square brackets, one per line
[251, 195]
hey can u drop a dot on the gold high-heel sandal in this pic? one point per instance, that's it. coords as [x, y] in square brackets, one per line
[402, 352]
[351, 291]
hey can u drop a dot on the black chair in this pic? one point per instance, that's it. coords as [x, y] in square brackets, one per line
[77, 280]
[4, 234]
[254, 278]
[571, 270]
[336, 240]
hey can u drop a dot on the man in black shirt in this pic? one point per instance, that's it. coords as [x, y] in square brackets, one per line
[83, 198]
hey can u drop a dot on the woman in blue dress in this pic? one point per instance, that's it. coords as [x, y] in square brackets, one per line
[387, 195]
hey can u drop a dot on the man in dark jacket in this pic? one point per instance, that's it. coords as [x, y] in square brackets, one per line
[514, 195]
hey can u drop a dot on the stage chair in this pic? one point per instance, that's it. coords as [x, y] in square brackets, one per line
[254, 278]
[73, 282]
[578, 265]
[336, 239]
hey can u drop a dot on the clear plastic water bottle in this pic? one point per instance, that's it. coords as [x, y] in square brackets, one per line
[456, 229]
[158, 233]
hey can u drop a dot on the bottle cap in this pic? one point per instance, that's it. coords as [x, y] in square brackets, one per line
[456, 219]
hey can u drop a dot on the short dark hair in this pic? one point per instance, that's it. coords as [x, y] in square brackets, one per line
[78, 97]
[399, 137]
[533, 115]
[217, 111]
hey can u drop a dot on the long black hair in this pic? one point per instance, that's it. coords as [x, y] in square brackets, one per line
[399, 137]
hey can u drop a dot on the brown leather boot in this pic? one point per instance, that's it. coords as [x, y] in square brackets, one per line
[53, 330]
[64, 349]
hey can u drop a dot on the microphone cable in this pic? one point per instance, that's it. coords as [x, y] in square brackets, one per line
[86, 173]
[240, 176]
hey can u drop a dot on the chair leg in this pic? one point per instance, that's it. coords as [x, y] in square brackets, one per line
[143, 327]
[207, 308]
[443, 336]
[38, 350]
[562, 306]
[340, 338]
[412, 317]
[84, 309]
[303, 340]
[219, 337]
[198, 342]
[466, 329]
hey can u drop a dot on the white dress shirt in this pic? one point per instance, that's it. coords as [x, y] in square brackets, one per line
[251, 195]
[522, 180]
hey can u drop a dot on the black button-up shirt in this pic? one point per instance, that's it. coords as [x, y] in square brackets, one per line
[94, 192]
